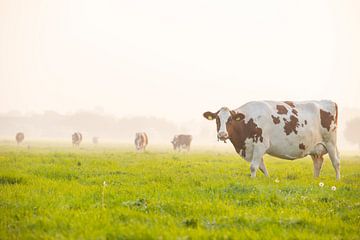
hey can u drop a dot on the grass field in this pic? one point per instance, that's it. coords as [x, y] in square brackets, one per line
[49, 192]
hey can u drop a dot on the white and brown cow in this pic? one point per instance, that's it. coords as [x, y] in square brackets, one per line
[287, 130]
[76, 139]
[19, 137]
[182, 141]
[141, 141]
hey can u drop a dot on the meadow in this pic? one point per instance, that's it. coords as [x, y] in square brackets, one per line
[60, 192]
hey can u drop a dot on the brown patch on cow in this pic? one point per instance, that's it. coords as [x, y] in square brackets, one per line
[294, 111]
[290, 103]
[253, 131]
[302, 125]
[276, 120]
[305, 122]
[326, 119]
[302, 146]
[290, 126]
[239, 131]
[281, 109]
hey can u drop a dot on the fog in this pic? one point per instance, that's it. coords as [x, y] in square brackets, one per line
[53, 126]
[158, 65]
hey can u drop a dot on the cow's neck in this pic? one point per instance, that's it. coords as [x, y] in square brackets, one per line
[238, 136]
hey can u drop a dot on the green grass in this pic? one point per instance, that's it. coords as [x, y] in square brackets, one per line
[49, 192]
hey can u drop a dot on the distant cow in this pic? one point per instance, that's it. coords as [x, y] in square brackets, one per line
[141, 141]
[181, 142]
[95, 140]
[19, 137]
[76, 139]
[287, 130]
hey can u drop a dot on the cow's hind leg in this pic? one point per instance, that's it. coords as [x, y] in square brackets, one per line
[334, 157]
[318, 162]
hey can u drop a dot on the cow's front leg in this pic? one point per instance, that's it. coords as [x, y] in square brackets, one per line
[257, 157]
[254, 167]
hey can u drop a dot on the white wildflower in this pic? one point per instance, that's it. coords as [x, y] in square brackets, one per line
[277, 180]
[321, 184]
[103, 195]
[333, 188]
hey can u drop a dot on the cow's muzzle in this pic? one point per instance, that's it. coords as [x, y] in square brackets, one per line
[223, 136]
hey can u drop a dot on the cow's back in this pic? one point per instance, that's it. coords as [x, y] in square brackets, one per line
[184, 139]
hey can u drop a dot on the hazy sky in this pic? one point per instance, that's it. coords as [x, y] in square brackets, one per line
[176, 59]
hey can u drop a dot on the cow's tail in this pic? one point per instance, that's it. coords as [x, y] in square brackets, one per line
[336, 114]
[337, 153]
[336, 126]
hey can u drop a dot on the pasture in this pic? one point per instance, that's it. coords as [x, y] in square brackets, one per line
[59, 192]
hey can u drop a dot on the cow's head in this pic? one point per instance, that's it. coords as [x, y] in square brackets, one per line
[74, 137]
[174, 142]
[224, 120]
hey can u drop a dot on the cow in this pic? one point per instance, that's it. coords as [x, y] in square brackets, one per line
[76, 139]
[288, 130]
[95, 140]
[141, 141]
[181, 142]
[19, 137]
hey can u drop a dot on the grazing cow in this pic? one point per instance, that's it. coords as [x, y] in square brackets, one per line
[141, 141]
[19, 137]
[181, 141]
[287, 130]
[95, 140]
[76, 139]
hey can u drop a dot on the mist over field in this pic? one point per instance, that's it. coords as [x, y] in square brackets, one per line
[176, 60]
[51, 125]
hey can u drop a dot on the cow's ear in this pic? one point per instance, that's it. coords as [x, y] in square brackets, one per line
[209, 115]
[237, 116]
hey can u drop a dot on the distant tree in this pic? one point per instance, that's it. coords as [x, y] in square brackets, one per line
[352, 131]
